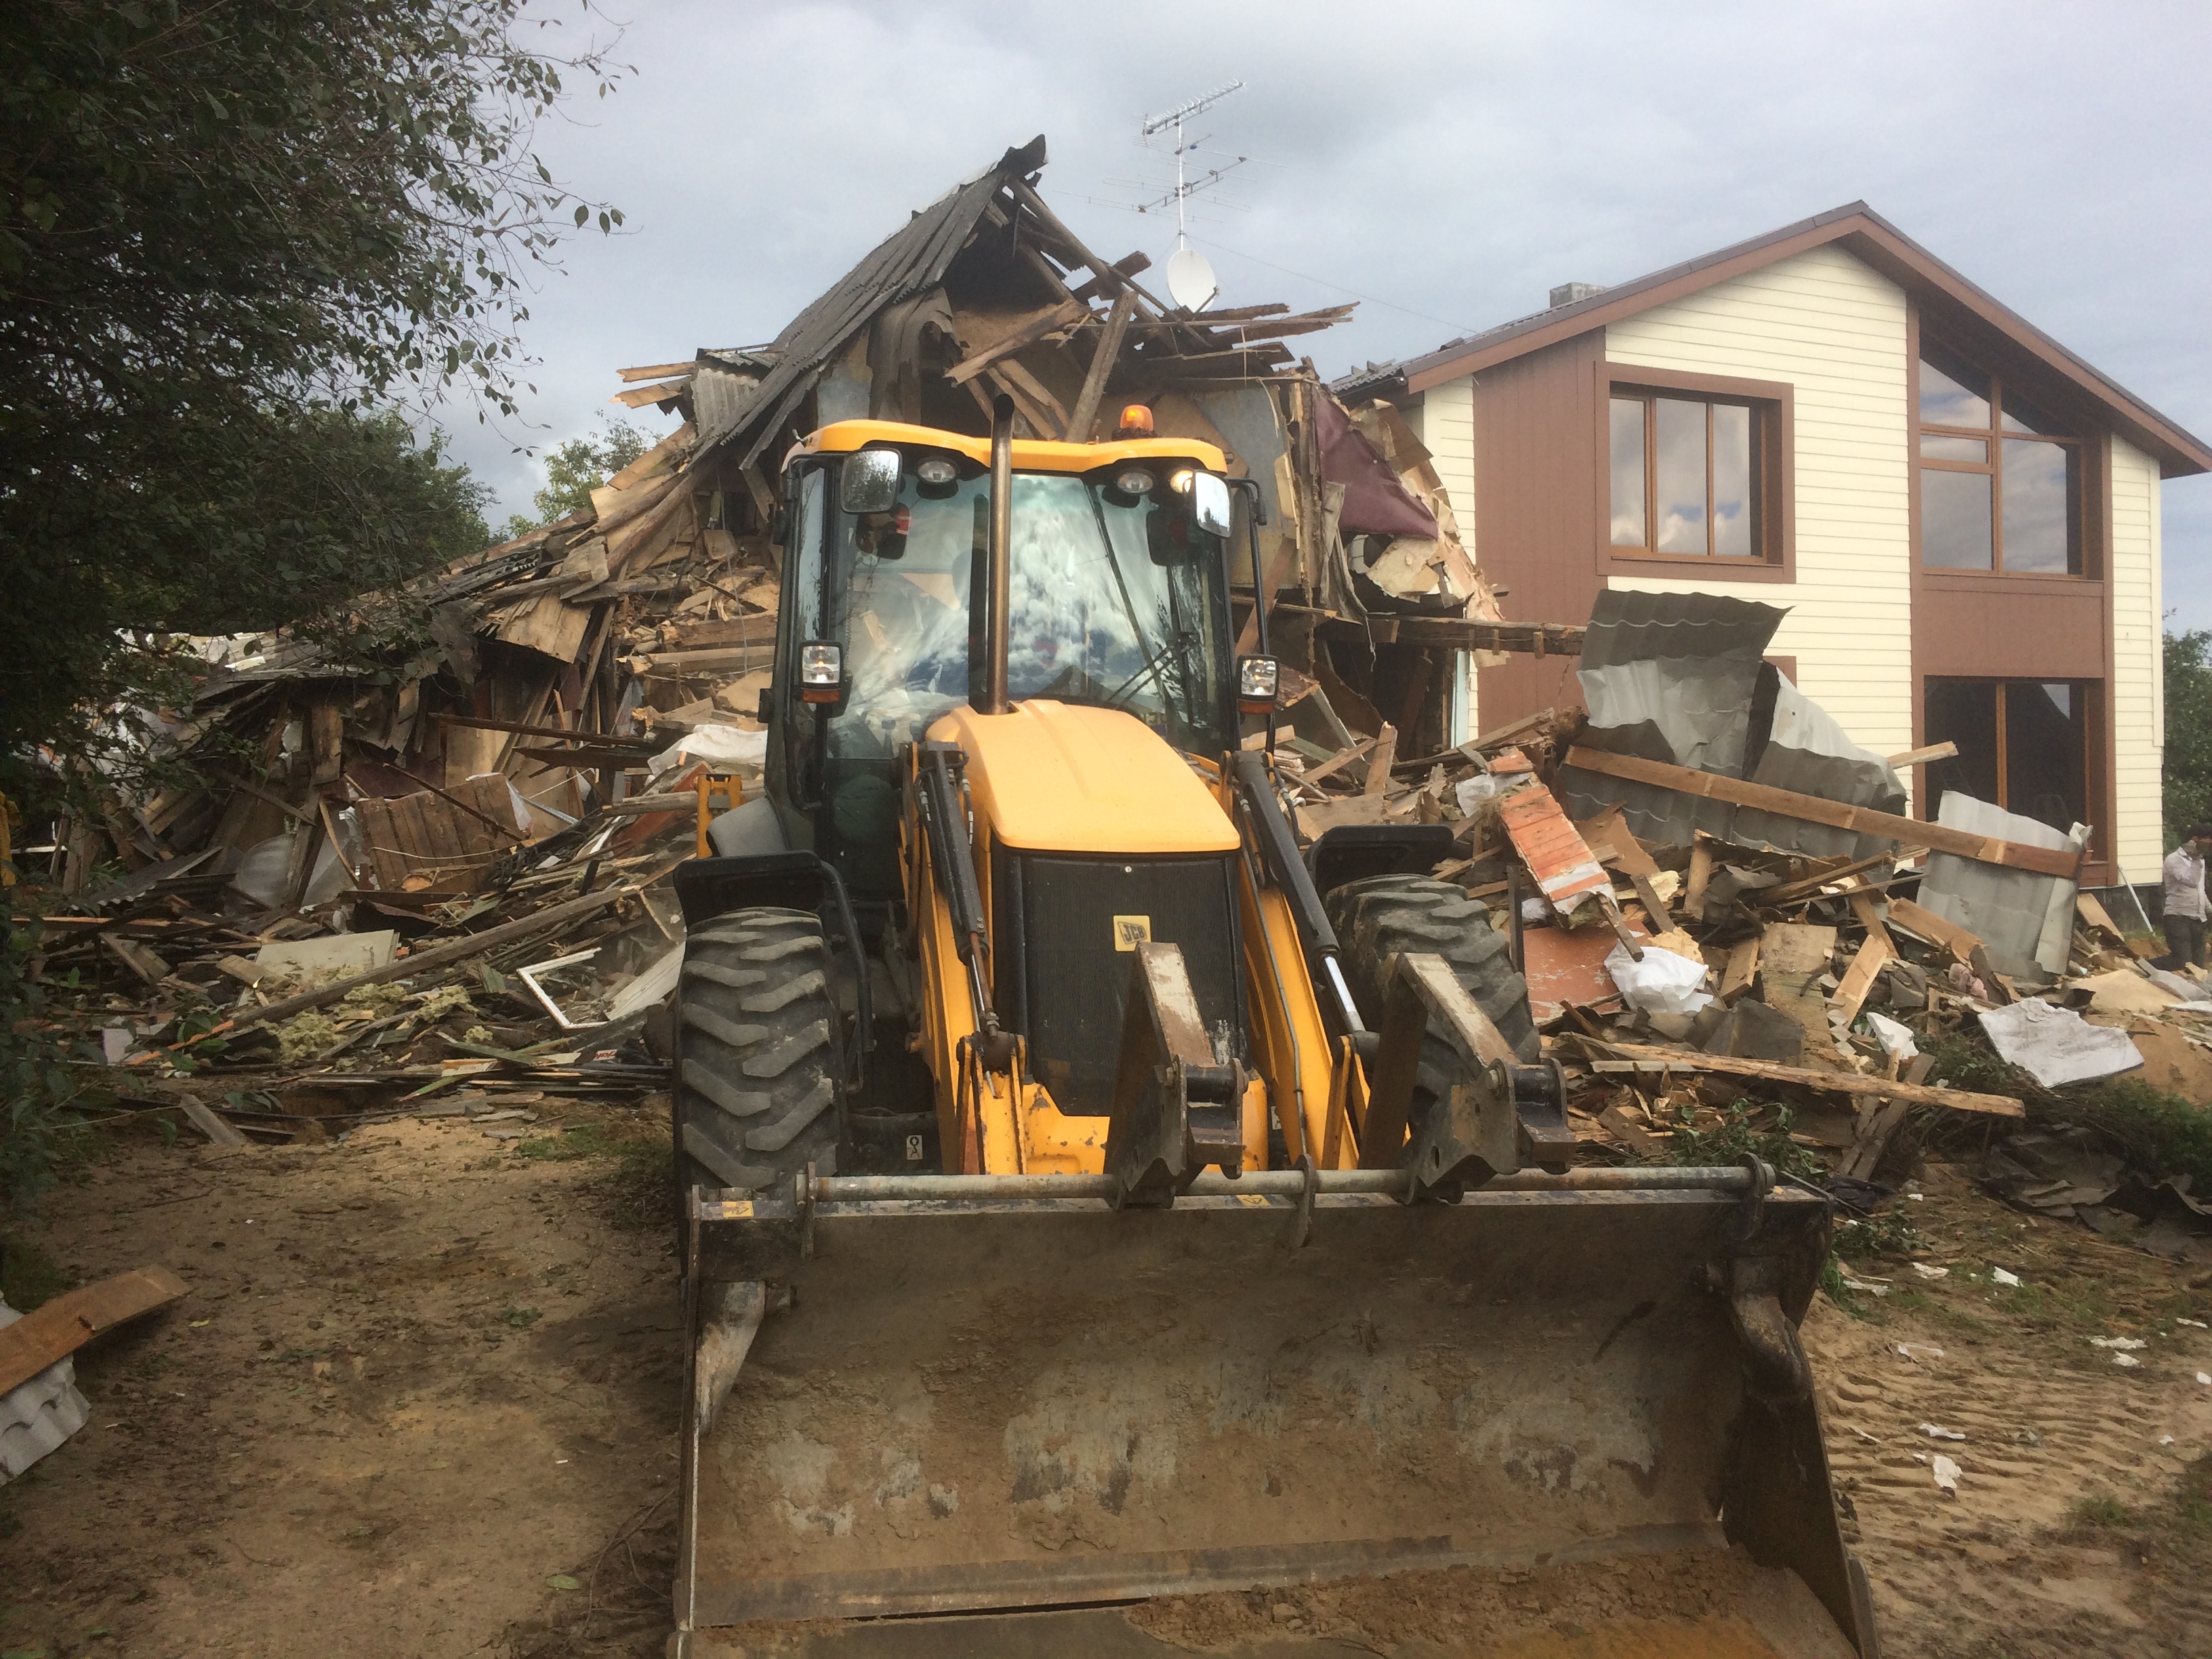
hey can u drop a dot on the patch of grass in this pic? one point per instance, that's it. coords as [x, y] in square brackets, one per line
[1738, 1134]
[582, 1140]
[29, 1276]
[1886, 1236]
[2100, 1512]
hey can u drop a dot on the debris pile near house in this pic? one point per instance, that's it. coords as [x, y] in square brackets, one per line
[426, 861]
[1734, 942]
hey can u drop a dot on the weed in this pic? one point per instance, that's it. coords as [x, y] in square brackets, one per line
[1886, 1236]
[2099, 1511]
[583, 1141]
[1737, 1136]
[522, 1318]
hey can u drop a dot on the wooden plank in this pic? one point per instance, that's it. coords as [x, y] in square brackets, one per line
[1915, 919]
[1067, 314]
[1654, 906]
[1858, 978]
[1701, 877]
[61, 1326]
[1869, 916]
[1790, 891]
[1084, 416]
[1797, 947]
[1337, 762]
[1811, 809]
[1378, 763]
[1933, 751]
[1743, 964]
[1652, 1061]
[655, 371]
[637, 396]
[1458, 634]
[381, 837]
[722, 660]
[219, 1130]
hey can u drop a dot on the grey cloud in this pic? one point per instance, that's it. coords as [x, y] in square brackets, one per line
[1453, 160]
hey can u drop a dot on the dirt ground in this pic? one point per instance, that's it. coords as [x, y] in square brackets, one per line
[423, 1401]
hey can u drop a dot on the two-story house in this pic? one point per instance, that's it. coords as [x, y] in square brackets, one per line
[1961, 515]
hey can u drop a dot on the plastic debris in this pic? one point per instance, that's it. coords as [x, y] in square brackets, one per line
[1927, 1271]
[1917, 1351]
[2127, 1360]
[1946, 1473]
[2003, 1277]
[1663, 983]
[2128, 1343]
[1937, 1432]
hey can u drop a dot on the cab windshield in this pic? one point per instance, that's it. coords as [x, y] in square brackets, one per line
[1117, 599]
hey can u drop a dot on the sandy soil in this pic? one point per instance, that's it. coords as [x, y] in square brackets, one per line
[419, 1376]
[425, 1382]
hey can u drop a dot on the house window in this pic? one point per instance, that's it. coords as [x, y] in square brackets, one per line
[1688, 475]
[2000, 484]
[2023, 745]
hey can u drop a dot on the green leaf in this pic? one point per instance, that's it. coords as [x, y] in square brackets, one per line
[563, 1581]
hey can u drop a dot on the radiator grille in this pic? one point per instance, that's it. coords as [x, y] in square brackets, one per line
[1072, 981]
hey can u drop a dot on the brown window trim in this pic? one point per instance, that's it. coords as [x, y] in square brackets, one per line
[1775, 405]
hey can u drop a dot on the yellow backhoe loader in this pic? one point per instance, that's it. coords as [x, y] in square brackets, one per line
[1089, 1199]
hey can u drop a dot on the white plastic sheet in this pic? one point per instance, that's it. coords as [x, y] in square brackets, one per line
[717, 745]
[2057, 1046]
[1663, 983]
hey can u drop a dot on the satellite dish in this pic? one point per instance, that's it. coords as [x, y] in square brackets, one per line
[1191, 280]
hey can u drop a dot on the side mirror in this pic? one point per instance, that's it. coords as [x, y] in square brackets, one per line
[1209, 503]
[871, 482]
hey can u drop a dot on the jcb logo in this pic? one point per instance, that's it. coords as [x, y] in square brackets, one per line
[1130, 932]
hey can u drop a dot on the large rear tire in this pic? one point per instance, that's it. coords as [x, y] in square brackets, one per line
[1380, 917]
[759, 1094]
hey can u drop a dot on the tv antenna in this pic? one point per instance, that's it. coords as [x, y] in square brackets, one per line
[1191, 282]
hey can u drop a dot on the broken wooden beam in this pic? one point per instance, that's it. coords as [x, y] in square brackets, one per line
[1455, 633]
[1812, 809]
[1653, 1061]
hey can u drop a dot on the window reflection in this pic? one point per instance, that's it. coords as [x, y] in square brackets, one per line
[2039, 505]
[1628, 520]
[1680, 500]
[1934, 448]
[1955, 520]
[1732, 481]
[2023, 745]
[1952, 393]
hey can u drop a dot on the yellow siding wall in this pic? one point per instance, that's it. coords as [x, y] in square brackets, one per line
[1443, 420]
[2138, 678]
[1835, 331]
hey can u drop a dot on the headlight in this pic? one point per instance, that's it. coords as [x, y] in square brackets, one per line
[1257, 679]
[1179, 481]
[821, 671]
[937, 471]
[1133, 480]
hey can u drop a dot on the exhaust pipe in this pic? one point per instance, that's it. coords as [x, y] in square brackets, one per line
[1001, 549]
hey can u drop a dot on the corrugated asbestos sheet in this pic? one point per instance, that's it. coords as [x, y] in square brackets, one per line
[1681, 677]
[911, 260]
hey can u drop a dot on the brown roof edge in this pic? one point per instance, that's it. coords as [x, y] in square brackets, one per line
[1884, 246]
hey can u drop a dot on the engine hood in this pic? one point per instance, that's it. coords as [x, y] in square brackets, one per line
[1054, 777]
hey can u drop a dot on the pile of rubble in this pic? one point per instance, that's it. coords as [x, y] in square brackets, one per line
[424, 853]
[1726, 927]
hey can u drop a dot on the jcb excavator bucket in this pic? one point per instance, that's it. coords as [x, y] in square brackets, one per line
[924, 1400]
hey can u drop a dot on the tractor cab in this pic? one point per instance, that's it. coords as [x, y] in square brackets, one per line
[1117, 598]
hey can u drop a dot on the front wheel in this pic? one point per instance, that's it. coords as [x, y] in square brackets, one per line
[759, 1094]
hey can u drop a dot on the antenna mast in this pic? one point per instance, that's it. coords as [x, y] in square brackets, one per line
[1155, 124]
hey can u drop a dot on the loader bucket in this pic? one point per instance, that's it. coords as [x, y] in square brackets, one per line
[993, 1397]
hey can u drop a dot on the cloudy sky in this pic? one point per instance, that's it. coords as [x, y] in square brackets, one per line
[1446, 163]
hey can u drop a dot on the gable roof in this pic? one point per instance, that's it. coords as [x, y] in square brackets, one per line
[1961, 312]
